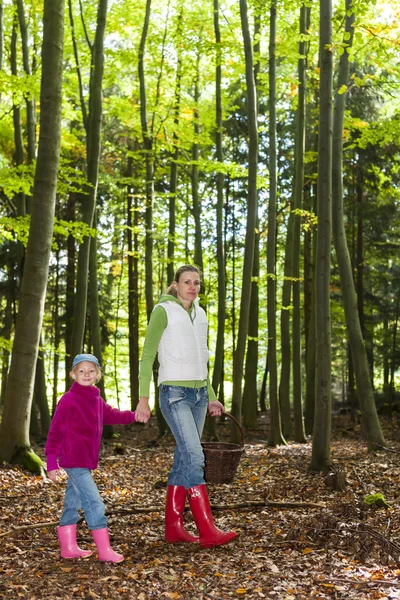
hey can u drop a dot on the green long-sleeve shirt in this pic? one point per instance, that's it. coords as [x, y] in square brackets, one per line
[155, 328]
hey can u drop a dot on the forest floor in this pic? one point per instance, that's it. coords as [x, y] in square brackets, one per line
[298, 538]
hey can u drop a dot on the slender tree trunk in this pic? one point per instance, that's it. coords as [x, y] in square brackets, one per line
[148, 152]
[196, 202]
[320, 460]
[299, 435]
[275, 436]
[221, 285]
[250, 392]
[57, 332]
[29, 98]
[69, 290]
[370, 420]
[173, 181]
[284, 383]
[95, 328]
[133, 289]
[250, 223]
[310, 250]
[14, 431]
[40, 394]
[93, 148]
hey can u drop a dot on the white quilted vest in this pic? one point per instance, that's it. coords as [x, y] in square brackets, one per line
[183, 352]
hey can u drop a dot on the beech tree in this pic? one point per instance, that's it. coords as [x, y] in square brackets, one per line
[14, 431]
[320, 460]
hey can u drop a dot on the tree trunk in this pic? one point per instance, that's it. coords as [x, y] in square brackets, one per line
[371, 426]
[250, 392]
[320, 460]
[40, 393]
[196, 202]
[29, 99]
[299, 435]
[95, 329]
[133, 289]
[69, 291]
[93, 147]
[148, 156]
[221, 285]
[250, 224]
[284, 383]
[275, 435]
[14, 432]
[173, 180]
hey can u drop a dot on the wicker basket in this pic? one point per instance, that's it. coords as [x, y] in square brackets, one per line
[222, 459]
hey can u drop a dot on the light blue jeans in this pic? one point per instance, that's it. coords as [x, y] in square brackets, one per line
[185, 411]
[82, 492]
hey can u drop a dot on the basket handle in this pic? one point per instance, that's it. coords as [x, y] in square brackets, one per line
[238, 425]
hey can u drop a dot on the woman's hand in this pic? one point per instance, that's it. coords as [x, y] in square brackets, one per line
[215, 408]
[142, 412]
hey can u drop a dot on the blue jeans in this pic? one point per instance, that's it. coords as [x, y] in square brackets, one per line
[82, 492]
[185, 411]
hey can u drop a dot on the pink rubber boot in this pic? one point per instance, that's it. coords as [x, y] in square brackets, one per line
[68, 545]
[105, 552]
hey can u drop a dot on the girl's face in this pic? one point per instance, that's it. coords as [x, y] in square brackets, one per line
[188, 287]
[85, 373]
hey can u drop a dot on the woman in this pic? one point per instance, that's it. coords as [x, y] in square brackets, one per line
[177, 330]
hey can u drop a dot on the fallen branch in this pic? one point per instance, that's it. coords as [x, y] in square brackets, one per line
[357, 581]
[387, 449]
[160, 509]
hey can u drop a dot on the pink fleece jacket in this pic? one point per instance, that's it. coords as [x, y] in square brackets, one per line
[77, 425]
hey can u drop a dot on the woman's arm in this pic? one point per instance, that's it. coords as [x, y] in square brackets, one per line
[155, 329]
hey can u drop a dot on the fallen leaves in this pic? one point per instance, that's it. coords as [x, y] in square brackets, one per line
[296, 537]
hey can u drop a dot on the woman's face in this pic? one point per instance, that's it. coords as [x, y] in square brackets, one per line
[188, 287]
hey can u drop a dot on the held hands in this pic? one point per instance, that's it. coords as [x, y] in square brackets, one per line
[215, 408]
[142, 412]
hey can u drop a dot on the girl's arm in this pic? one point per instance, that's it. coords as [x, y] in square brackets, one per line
[54, 437]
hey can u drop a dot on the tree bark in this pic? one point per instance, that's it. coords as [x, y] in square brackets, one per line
[148, 152]
[371, 426]
[173, 179]
[275, 435]
[299, 435]
[93, 148]
[133, 288]
[14, 432]
[250, 223]
[320, 460]
[221, 285]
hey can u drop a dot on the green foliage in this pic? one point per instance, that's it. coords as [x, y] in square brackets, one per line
[17, 228]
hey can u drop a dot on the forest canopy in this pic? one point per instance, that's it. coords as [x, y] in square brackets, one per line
[165, 159]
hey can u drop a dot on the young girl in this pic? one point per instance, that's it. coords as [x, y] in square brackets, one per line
[74, 444]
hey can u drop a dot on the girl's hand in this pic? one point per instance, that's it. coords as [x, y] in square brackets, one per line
[215, 408]
[142, 412]
[53, 475]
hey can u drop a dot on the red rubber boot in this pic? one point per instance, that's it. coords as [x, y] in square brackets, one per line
[105, 552]
[69, 547]
[210, 535]
[174, 507]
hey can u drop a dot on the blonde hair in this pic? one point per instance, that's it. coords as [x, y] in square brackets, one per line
[171, 288]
